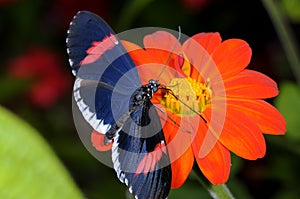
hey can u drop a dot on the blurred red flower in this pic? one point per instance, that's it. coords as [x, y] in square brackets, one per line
[45, 69]
[7, 1]
[64, 10]
[195, 5]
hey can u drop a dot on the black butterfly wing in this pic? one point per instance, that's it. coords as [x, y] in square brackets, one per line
[140, 155]
[106, 80]
[98, 58]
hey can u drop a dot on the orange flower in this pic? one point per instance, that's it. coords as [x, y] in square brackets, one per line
[213, 104]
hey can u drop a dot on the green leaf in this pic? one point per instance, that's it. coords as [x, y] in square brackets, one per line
[288, 103]
[130, 12]
[189, 190]
[291, 8]
[29, 168]
[12, 87]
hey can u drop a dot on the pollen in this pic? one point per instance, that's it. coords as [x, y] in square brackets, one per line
[186, 96]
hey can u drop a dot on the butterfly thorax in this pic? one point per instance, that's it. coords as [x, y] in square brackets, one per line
[144, 93]
[141, 96]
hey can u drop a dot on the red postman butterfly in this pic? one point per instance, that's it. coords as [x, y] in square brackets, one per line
[109, 93]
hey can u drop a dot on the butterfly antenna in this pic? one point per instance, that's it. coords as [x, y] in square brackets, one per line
[170, 55]
[172, 120]
[171, 92]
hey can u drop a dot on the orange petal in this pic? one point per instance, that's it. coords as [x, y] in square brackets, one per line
[239, 134]
[140, 58]
[203, 66]
[209, 41]
[161, 45]
[181, 168]
[149, 67]
[267, 117]
[162, 40]
[250, 84]
[97, 140]
[138, 54]
[215, 166]
[179, 149]
[232, 56]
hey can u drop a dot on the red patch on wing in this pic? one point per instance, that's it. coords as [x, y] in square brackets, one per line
[99, 48]
[98, 142]
[150, 160]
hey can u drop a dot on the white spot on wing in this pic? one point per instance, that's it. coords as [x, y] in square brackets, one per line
[82, 107]
[74, 72]
[126, 181]
[102, 127]
[130, 189]
[71, 62]
[115, 159]
[89, 116]
[76, 94]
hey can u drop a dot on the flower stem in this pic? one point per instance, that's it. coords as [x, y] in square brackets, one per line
[285, 35]
[220, 192]
[215, 191]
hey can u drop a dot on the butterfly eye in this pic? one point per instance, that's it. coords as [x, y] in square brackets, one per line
[153, 85]
[139, 96]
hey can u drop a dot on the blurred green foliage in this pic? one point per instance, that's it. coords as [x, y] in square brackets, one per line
[288, 103]
[29, 168]
[291, 8]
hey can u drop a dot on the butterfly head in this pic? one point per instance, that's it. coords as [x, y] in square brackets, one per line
[145, 93]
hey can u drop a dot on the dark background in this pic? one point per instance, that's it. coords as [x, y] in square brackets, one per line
[36, 81]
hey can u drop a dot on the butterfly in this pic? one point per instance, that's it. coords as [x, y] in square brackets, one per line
[109, 94]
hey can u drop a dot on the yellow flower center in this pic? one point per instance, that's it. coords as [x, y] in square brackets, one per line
[186, 96]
